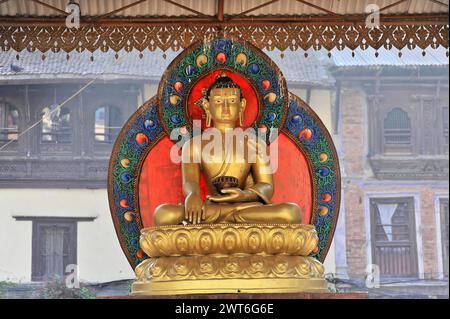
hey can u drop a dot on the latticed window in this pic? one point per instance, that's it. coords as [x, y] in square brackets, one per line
[56, 125]
[393, 236]
[397, 132]
[444, 232]
[9, 123]
[108, 122]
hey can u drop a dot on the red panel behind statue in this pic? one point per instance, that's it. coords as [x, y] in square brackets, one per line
[160, 180]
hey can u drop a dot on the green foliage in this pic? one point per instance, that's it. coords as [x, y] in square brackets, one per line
[5, 285]
[57, 289]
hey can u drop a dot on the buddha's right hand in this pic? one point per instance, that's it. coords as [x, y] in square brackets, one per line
[193, 208]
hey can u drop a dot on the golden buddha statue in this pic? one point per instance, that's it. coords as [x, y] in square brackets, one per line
[236, 241]
[240, 186]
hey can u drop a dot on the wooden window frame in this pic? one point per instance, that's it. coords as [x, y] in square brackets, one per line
[111, 137]
[4, 108]
[412, 238]
[394, 149]
[36, 272]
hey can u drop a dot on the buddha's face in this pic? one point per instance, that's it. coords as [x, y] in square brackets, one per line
[225, 105]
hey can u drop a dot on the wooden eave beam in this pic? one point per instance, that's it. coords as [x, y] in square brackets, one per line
[440, 3]
[417, 19]
[220, 10]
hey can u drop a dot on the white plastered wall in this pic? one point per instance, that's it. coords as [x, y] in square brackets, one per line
[99, 256]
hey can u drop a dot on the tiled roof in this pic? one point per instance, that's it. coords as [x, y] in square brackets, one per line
[295, 67]
[298, 69]
[432, 57]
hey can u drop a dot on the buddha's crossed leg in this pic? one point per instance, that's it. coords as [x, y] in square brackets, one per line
[242, 213]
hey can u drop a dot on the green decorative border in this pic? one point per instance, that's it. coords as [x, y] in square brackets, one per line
[306, 129]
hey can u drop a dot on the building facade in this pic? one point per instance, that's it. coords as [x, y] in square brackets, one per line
[393, 128]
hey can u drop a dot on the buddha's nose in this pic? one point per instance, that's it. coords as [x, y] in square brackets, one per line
[226, 109]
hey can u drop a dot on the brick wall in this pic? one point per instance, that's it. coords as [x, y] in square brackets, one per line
[352, 135]
[355, 181]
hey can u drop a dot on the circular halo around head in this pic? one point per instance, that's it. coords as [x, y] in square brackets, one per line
[204, 58]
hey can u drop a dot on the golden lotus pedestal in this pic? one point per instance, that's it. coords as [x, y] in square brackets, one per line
[229, 258]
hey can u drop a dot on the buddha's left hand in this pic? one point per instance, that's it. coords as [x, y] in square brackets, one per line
[232, 195]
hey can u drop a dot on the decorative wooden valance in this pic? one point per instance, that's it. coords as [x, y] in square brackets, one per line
[268, 36]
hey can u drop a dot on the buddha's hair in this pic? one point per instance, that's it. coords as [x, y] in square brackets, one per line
[223, 82]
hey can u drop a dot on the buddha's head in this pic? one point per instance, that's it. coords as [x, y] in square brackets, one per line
[224, 102]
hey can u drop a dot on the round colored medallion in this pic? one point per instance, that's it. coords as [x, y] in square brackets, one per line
[253, 68]
[126, 177]
[271, 97]
[265, 84]
[201, 60]
[128, 216]
[323, 210]
[306, 133]
[324, 171]
[296, 119]
[124, 203]
[140, 254]
[178, 86]
[241, 58]
[175, 119]
[149, 124]
[221, 57]
[141, 138]
[174, 99]
[190, 70]
[271, 117]
[323, 157]
[326, 198]
[125, 163]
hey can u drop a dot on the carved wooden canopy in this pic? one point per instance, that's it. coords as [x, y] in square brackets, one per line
[165, 24]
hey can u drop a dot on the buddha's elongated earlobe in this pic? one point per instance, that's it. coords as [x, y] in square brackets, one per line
[208, 119]
[205, 105]
[241, 113]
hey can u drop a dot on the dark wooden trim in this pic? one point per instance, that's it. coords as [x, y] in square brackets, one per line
[220, 10]
[262, 20]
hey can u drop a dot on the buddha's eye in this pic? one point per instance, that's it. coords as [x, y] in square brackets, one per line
[232, 100]
[218, 101]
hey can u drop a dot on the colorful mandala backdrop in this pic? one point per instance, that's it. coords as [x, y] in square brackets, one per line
[168, 111]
